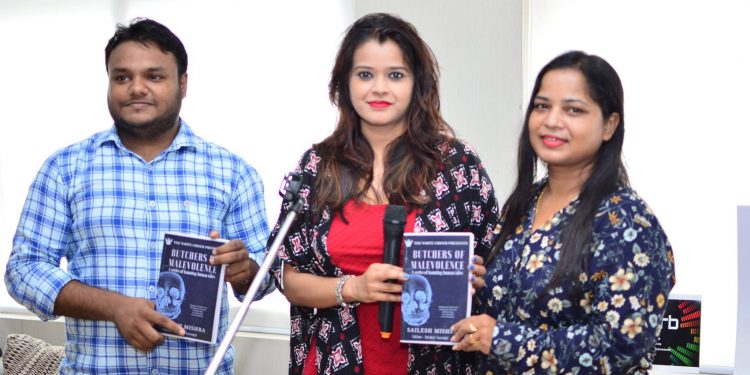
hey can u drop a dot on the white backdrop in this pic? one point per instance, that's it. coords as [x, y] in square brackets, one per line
[684, 68]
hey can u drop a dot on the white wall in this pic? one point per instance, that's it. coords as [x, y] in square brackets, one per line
[684, 68]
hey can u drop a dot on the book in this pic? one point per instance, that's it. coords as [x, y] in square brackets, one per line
[678, 344]
[437, 293]
[190, 288]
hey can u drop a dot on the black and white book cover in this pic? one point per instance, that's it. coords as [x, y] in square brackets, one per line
[190, 288]
[437, 293]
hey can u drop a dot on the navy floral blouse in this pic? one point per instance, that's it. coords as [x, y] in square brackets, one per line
[463, 200]
[612, 328]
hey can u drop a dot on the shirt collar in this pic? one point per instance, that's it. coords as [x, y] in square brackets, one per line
[185, 138]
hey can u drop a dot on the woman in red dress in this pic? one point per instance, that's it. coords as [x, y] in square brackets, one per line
[390, 146]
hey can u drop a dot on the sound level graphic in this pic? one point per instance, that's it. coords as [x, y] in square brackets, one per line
[684, 356]
[679, 342]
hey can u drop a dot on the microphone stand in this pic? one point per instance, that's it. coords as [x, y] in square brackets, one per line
[290, 192]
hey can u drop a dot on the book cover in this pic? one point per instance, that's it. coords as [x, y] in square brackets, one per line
[437, 293]
[678, 344]
[190, 289]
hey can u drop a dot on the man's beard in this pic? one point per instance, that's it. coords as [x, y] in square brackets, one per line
[153, 128]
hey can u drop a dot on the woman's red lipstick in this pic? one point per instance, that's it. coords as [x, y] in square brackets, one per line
[379, 104]
[552, 142]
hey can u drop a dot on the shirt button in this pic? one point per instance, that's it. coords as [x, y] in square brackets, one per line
[152, 204]
[151, 288]
[155, 372]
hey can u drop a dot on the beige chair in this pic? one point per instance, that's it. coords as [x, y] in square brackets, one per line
[26, 355]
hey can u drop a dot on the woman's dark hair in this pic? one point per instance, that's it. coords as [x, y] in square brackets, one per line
[412, 158]
[143, 30]
[607, 174]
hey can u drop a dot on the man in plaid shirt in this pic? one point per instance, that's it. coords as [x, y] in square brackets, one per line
[105, 203]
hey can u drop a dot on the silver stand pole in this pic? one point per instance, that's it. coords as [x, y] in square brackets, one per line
[254, 286]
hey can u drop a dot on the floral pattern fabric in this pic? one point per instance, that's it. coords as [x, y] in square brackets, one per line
[462, 200]
[612, 326]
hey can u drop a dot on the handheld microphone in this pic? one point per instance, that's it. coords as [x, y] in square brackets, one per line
[393, 234]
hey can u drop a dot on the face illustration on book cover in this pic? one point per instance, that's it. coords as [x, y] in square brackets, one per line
[415, 300]
[436, 293]
[170, 294]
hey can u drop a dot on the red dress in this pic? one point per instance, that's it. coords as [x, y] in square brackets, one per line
[353, 248]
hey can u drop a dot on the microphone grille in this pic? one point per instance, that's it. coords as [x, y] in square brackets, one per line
[395, 214]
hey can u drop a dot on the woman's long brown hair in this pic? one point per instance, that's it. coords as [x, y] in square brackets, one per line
[346, 169]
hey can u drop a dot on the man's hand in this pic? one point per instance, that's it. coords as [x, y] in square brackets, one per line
[135, 318]
[240, 268]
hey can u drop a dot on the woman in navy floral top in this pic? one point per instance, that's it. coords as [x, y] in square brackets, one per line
[578, 280]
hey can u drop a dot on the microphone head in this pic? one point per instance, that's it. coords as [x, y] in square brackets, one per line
[395, 214]
[290, 185]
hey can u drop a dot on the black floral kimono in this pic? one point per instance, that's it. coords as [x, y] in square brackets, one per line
[463, 200]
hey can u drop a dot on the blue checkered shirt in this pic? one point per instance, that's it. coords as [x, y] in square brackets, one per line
[106, 210]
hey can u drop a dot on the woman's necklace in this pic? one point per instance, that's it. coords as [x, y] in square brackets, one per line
[535, 218]
[538, 201]
[375, 196]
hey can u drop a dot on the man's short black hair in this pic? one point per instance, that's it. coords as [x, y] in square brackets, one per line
[144, 30]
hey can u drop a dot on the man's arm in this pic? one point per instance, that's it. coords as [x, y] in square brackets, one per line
[33, 275]
[134, 317]
[247, 226]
